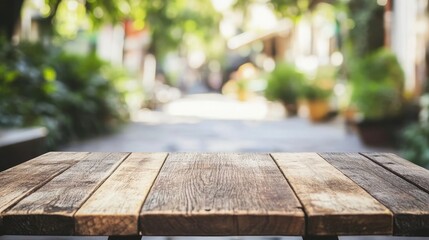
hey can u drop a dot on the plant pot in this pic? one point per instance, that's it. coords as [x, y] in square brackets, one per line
[291, 108]
[379, 133]
[318, 109]
[350, 115]
[243, 95]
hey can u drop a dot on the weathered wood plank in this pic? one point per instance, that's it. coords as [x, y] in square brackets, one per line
[334, 205]
[21, 180]
[124, 237]
[415, 174]
[50, 209]
[114, 208]
[221, 194]
[409, 204]
[318, 238]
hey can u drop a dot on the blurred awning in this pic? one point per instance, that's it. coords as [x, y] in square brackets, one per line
[246, 38]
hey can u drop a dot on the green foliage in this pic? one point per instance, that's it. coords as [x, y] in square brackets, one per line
[243, 84]
[415, 137]
[102, 11]
[285, 83]
[180, 22]
[315, 92]
[320, 87]
[415, 144]
[171, 24]
[377, 85]
[292, 9]
[70, 95]
[367, 34]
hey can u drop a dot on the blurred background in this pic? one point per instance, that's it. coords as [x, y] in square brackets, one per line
[214, 76]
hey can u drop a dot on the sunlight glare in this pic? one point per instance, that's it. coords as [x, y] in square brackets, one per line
[222, 5]
[213, 106]
[72, 5]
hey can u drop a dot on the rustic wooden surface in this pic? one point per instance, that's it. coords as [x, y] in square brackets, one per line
[414, 174]
[409, 204]
[50, 209]
[114, 208]
[221, 194]
[324, 191]
[19, 181]
[122, 194]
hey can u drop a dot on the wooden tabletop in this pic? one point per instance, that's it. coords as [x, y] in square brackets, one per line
[207, 194]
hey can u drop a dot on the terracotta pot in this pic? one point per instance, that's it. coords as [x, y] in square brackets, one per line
[350, 114]
[318, 109]
[242, 95]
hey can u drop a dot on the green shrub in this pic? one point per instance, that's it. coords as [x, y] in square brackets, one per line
[415, 137]
[415, 144]
[73, 96]
[314, 92]
[377, 86]
[320, 86]
[285, 83]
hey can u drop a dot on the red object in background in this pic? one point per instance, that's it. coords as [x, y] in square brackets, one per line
[130, 30]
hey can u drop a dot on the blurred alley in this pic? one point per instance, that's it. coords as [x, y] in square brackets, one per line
[215, 123]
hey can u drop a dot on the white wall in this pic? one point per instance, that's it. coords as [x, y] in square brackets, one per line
[404, 18]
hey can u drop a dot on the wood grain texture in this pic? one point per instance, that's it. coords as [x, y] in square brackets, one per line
[221, 194]
[50, 209]
[21, 180]
[415, 174]
[334, 205]
[114, 208]
[409, 204]
[318, 238]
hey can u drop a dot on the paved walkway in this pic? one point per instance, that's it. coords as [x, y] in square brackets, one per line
[213, 123]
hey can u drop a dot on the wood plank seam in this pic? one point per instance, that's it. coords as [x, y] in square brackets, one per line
[405, 223]
[18, 199]
[101, 183]
[321, 155]
[381, 165]
[62, 216]
[246, 188]
[112, 210]
[150, 189]
[296, 195]
[199, 194]
[341, 219]
[394, 172]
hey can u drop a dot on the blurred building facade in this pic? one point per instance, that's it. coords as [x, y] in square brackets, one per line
[409, 39]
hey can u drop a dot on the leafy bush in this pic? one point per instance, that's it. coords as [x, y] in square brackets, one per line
[415, 138]
[285, 83]
[73, 96]
[320, 86]
[415, 145]
[377, 85]
[314, 92]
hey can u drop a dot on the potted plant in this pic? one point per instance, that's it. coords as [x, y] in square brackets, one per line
[242, 86]
[285, 84]
[317, 101]
[317, 92]
[377, 95]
